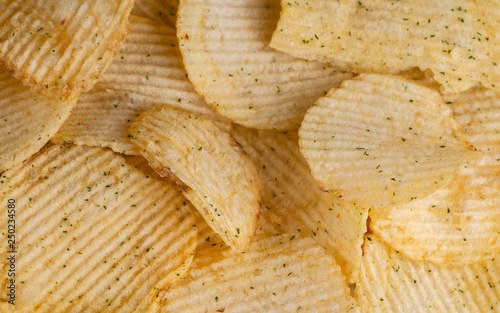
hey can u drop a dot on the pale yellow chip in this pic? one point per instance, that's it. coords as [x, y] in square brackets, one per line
[208, 165]
[295, 205]
[60, 49]
[458, 40]
[164, 11]
[275, 275]
[225, 49]
[390, 282]
[92, 233]
[459, 223]
[383, 141]
[147, 72]
[28, 120]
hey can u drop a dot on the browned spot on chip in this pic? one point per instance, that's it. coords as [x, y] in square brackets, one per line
[165, 171]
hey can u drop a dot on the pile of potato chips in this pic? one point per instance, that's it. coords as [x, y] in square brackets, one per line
[249, 156]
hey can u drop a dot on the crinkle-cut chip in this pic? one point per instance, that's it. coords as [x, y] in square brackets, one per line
[276, 275]
[294, 203]
[164, 11]
[225, 49]
[390, 282]
[60, 49]
[93, 233]
[208, 165]
[207, 238]
[383, 141]
[459, 223]
[101, 119]
[28, 120]
[150, 64]
[147, 72]
[458, 40]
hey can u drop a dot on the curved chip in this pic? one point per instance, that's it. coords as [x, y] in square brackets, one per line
[294, 203]
[147, 72]
[459, 41]
[164, 11]
[208, 165]
[28, 120]
[275, 275]
[225, 49]
[459, 223]
[92, 233]
[390, 282]
[60, 49]
[383, 141]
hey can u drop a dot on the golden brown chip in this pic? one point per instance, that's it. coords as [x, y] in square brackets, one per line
[147, 72]
[390, 282]
[60, 49]
[275, 275]
[159, 10]
[225, 49]
[295, 205]
[383, 141]
[92, 233]
[458, 40]
[27, 120]
[207, 164]
[460, 222]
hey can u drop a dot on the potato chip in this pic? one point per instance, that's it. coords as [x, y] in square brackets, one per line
[225, 49]
[27, 120]
[207, 164]
[164, 11]
[275, 275]
[458, 40]
[61, 48]
[92, 233]
[390, 282]
[383, 141]
[460, 222]
[295, 205]
[147, 72]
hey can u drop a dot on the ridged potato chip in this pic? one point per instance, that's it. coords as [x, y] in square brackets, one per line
[208, 165]
[294, 203]
[28, 120]
[147, 72]
[60, 49]
[275, 275]
[92, 233]
[458, 40]
[224, 45]
[390, 282]
[460, 222]
[383, 141]
[164, 11]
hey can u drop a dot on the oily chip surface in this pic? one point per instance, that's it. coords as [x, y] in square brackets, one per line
[92, 232]
[224, 45]
[459, 41]
[60, 49]
[207, 164]
[383, 141]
